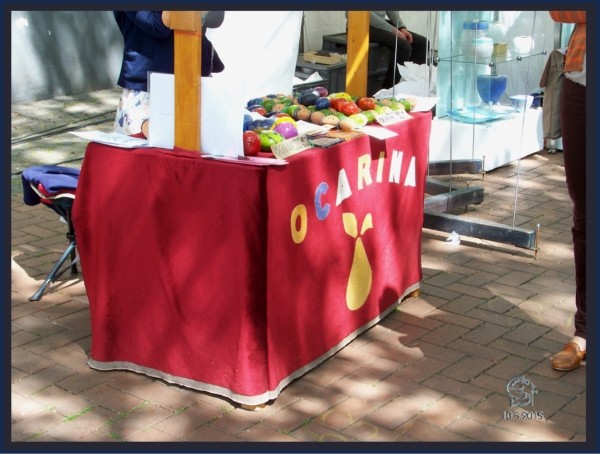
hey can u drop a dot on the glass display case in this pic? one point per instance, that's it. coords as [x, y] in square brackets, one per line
[489, 65]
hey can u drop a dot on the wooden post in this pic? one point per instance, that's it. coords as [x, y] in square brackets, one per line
[357, 63]
[187, 26]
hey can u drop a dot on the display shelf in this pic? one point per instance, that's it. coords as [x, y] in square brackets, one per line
[463, 131]
[491, 61]
[459, 64]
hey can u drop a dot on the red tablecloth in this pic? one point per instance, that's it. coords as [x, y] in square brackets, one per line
[236, 279]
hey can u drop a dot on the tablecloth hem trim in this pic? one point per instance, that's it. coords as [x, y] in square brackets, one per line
[240, 398]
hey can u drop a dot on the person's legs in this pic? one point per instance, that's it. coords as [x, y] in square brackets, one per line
[403, 50]
[419, 49]
[573, 125]
[133, 109]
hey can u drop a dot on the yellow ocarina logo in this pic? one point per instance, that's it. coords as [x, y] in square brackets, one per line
[361, 274]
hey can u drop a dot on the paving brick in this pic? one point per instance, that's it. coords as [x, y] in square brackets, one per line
[445, 279]
[41, 380]
[490, 410]
[537, 430]
[467, 368]
[398, 354]
[404, 335]
[425, 432]
[515, 278]
[484, 315]
[421, 369]
[571, 422]
[113, 399]
[208, 434]
[152, 434]
[20, 338]
[463, 304]
[161, 394]
[365, 431]
[418, 307]
[438, 352]
[577, 407]
[439, 292]
[481, 264]
[185, 420]
[479, 278]
[262, 432]
[455, 319]
[381, 392]
[510, 367]
[471, 349]
[123, 380]
[470, 290]
[475, 430]
[57, 311]
[37, 326]
[54, 341]
[515, 348]
[84, 379]
[526, 333]
[456, 388]
[23, 407]
[345, 413]
[413, 399]
[374, 371]
[334, 369]
[442, 412]
[34, 427]
[410, 319]
[128, 426]
[294, 416]
[444, 334]
[524, 291]
[28, 362]
[314, 432]
[486, 333]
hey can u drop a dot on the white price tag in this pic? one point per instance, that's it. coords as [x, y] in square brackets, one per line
[389, 118]
[290, 147]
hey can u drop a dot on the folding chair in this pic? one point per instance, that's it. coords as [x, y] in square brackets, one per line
[54, 186]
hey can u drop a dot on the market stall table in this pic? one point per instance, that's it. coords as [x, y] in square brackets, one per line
[236, 279]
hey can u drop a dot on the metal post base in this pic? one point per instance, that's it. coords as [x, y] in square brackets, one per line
[448, 198]
[492, 231]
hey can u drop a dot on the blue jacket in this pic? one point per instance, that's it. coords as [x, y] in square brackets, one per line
[149, 46]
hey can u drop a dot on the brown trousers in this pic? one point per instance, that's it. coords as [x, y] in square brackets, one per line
[573, 125]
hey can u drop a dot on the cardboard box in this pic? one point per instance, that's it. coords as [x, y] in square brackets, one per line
[330, 59]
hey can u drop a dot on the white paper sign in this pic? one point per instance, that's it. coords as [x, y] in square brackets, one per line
[114, 139]
[161, 129]
[222, 117]
[392, 117]
[290, 147]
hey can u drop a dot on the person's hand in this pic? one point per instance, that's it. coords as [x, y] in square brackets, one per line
[146, 128]
[407, 35]
[166, 18]
[399, 34]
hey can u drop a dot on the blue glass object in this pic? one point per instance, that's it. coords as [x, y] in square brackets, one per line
[491, 87]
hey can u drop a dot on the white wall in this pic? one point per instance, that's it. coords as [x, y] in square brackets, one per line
[56, 53]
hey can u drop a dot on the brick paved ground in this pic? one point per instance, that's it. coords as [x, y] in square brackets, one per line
[435, 370]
